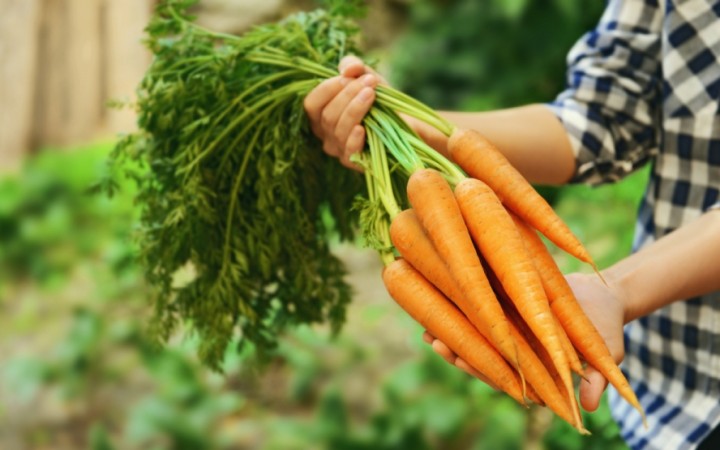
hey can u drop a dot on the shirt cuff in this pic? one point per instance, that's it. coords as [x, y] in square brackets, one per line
[713, 207]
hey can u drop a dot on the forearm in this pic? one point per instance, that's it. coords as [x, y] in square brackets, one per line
[681, 265]
[531, 137]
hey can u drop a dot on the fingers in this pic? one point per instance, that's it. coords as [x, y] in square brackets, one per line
[351, 101]
[441, 349]
[316, 101]
[337, 106]
[351, 66]
[427, 337]
[448, 355]
[591, 389]
[353, 113]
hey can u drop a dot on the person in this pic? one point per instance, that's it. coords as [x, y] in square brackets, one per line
[642, 87]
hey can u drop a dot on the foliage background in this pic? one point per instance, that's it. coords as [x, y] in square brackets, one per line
[77, 372]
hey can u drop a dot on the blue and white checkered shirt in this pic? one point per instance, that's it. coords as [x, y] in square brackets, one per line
[643, 87]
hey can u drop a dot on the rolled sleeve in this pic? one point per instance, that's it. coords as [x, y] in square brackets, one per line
[610, 107]
[713, 207]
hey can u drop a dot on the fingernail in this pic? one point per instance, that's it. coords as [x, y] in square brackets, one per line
[366, 93]
[344, 63]
[368, 79]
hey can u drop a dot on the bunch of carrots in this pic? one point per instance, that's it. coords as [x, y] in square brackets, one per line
[225, 142]
[474, 272]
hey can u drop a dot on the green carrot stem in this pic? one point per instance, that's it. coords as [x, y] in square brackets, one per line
[406, 104]
[433, 158]
[385, 129]
[381, 185]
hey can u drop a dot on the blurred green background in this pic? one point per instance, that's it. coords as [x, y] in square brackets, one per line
[77, 372]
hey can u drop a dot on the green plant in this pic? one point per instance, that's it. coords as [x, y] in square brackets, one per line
[68, 257]
[49, 220]
[469, 55]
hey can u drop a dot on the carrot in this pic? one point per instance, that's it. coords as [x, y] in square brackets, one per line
[409, 238]
[501, 245]
[431, 309]
[540, 353]
[570, 351]
[580, 329]
[542, 376]
[481, 160]
[434, 203]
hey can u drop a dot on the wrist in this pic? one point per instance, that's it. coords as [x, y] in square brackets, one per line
[675, 267]
[620, 282]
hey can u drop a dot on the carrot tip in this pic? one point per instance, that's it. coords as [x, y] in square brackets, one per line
[597, 271]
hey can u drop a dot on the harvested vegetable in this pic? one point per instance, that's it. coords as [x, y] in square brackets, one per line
[498, 240]
[437, 210]
[410, 240]
[240, 206]
[481, 160]
[432, 310]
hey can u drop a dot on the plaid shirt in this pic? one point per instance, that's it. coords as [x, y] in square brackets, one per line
[644, 87]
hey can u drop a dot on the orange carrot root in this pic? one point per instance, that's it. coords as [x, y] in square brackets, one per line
[480, 159]
[501, 245]
[429, 307]
[437, 210]
[580, 329]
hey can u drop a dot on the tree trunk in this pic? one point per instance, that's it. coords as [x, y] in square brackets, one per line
[19, 22]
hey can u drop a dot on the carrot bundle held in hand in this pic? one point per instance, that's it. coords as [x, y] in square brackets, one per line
[411, 242]
[233, 185]
[427, 237]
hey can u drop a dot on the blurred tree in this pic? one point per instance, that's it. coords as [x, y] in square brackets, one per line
[470, 55]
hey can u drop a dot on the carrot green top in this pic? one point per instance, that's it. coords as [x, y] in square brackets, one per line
[233, 184]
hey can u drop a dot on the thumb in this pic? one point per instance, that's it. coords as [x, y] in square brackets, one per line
[591, 389]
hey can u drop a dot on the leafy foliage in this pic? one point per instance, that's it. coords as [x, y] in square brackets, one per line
[235, 191]
[42, 206]
[470, 55]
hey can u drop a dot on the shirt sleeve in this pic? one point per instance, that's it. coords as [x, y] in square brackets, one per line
[713, 207]
[611, 104]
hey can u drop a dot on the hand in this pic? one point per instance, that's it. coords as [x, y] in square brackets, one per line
[337, 106]
[603, 305]
[441, 349]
